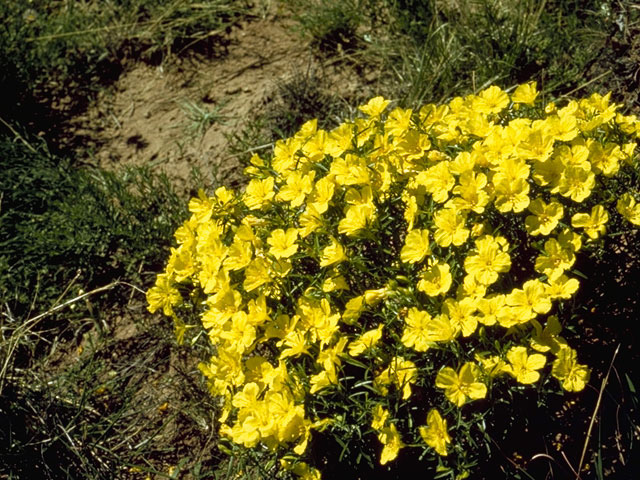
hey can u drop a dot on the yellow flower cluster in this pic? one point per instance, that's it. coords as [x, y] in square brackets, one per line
[381, 241]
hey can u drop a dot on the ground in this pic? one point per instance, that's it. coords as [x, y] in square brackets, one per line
[182, 114]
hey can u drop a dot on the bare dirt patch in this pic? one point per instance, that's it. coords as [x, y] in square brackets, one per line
[144, 119]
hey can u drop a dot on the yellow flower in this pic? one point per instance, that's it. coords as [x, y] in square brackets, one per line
[283, 244]
[201, 207]
[490, 100]
[365, 341]
[416, 246]
[525, 93]
[374, 107]
[334, 282]
[163, 295]
[629, 208]
[256, 274]
[576, 182]
[472, 192]
[380, 417]
[554, 259]
[421, 330]
[239, 255]
[565, 368]
[450, 228]
[511, 195]
[523, 367]
[532, 299]
[390, 439]
[436, 280]
[461, 314]
[594, 224]
[561, 287]
[436, 180]
[258, 193]
[490, 260]
[435, 432]
[547, 338]
[332, 254]
[463, 386]
[545, 217]
[401, 372]
[357, 218]
[297, 188]
[322, 194]
[492, 365]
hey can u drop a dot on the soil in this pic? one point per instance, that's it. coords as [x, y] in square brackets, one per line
[144, 118]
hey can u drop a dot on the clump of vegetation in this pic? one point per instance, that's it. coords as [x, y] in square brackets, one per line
[379, 288]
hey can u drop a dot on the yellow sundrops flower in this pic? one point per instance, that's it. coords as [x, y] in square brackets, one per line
[629, 208]
[593, 224]
[491, 259]
[335, 282]
[461, 315]
[492, 365]
[489, 307]
[435, 432]
[398, 122]
[571, 374]
[605, 160]
[403, 373]
[547, 338]
[436, 280]
[374, 107]
[576, 183]
[411, 209]
[297, 188]
[322, 380]
[256, 274]
[392, 443]
[339, 140]
[380, 417]
[416, 246]
[310, 221]
[163, 295]
[472, 192]
[357, 218]
[563, 127]
[366, 341]
[258, 193]
[490, 100]
[545, 217]
[562, 287]
[332, 254]
[450, 228]
[523, 367]
[511, 195]
[421, 330]
[201, 207]
[525, 93]
[239, 255]
[353, 309]
[322, 193]
[463, 386]
[437, 181]
[554, 259]
[532, 299]
[283, 244]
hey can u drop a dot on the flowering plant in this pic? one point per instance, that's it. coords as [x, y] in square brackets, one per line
[373, 281]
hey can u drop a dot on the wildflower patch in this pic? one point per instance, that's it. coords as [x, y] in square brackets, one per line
[363, 286]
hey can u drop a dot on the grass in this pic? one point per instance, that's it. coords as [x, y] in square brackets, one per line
[91, 385]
